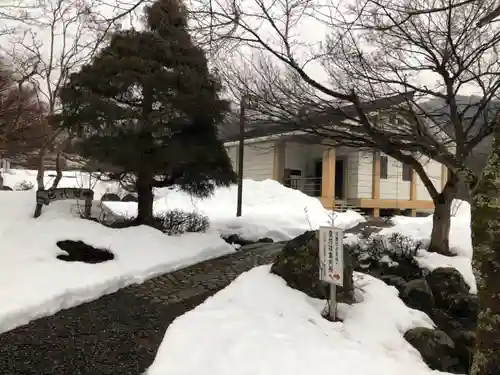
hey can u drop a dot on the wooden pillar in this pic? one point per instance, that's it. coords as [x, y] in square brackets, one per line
[376, 182]
[413, 191]
[444, 176]
[328, 178]
[279, 161]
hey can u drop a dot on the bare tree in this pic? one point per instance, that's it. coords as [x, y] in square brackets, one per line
[20, 111]
[57, 37]
[369, 54]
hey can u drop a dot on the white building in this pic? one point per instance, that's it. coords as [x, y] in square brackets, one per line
[367, 180]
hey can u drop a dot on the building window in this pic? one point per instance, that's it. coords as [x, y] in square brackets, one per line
[407, 172]
[383, 167]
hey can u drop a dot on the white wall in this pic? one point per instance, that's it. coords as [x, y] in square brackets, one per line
[258, 160]
[394, 187]
[352, 174]
[433, 169]
[302, 157]
[232, 152]
[364, 181]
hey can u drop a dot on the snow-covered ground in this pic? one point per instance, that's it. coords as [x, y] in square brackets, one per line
[420, 228]
[258, 325]
[269, 209]
[33, 283]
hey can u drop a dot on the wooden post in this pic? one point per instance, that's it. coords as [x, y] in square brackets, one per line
[332, 303]
[413, 191]
[279, 161]
[376, 182]
[241, 149]
[328, 177]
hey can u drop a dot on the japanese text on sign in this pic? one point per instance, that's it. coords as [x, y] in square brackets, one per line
[331, 255]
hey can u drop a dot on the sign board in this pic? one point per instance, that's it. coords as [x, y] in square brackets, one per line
[45, 197]
[51, 195]
[331, 255]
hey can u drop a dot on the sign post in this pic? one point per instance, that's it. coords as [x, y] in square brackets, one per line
[331, 260]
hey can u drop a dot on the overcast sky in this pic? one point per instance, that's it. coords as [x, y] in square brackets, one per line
[307, 32]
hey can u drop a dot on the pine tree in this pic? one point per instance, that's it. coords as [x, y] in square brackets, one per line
[148, 106]
[485, 223]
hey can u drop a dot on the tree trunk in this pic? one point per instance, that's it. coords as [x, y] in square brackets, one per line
[41, 169]
[58, 171]
[486, 262]
[441, 223]
[144, 185]
[40, 179]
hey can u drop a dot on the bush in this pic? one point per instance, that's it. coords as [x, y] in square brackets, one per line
[172, 222]
[405, 246]
[129, 198]
[24, 186]
[175, 222]
[396, 246]
[110, 197]
[394, 255]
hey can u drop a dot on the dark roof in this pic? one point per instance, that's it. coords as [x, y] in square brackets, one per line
[329, 115]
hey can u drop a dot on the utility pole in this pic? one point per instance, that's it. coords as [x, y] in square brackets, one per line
[241, 148]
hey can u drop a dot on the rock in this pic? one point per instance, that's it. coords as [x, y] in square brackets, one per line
[464, 308]
[79, 251]
[418, 295]
[436, 348]
[6, 188]
[446, 283]
[407, 268]
[444, 321]
[298, 265]
[371, 262]
[129, 198]
[110, 197]
[396, 281]
[266, 240]
[465, 342]
[236, 239]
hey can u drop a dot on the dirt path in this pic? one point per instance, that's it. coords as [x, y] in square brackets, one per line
[119, 334]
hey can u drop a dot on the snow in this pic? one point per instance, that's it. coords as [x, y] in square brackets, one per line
[14, 177]
[45, 285]
[33, 283]
[258, 325]
[269, 209]
[420, 228]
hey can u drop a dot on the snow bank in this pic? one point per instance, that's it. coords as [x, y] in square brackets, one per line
[33, 283]
[269, 208]
[257, 325]
[420, 228]
[13, 177]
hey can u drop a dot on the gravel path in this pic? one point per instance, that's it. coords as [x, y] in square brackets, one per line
[119, 334]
